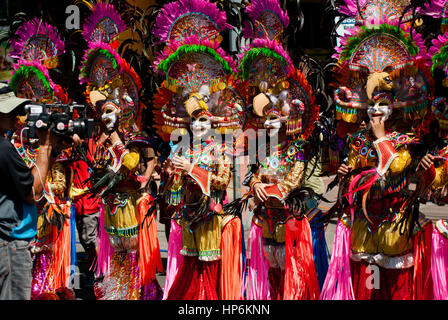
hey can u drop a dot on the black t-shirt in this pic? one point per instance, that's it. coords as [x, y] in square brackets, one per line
[16, 182]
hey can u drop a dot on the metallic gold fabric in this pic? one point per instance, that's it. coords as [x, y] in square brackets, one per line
[204, 241]
[385, 240]
[132, 159]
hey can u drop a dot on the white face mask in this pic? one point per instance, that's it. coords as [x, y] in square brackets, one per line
[110, 115]
[272, 125]
[201, 126]
[381, 107]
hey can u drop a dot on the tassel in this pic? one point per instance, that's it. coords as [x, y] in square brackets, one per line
[105, 249]
[300, 274]
[174, 256]
[338, 283]
[256, 283]
[149, 259]
[422, 281]
[439, 265]
[231, 261]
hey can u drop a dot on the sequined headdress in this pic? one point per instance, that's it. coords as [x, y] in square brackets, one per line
[194, 66]
[274, 85]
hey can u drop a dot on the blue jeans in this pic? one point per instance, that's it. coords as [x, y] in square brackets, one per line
[15, 270]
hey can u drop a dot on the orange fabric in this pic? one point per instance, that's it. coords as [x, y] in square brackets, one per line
[231, 261]
[149, 259]
[300, 274]
[422, 284]
[59, 270]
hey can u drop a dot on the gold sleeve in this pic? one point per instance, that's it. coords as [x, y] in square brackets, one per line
[221, 178]
[353, 157]
[295, 177]
[56, 178]
[402, 162]
[132, 159]
[441, 178]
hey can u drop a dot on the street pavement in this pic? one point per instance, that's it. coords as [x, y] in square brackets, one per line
[431, 211]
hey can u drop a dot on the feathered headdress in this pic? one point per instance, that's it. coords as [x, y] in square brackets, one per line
[382, 58]
[100, 66]
[184, 18]
[103, 25]
[31, 80]
[273, 84]
[268, 20]
[196, 67]
[37, 41]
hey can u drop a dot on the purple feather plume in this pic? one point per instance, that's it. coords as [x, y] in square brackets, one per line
[192, 40]
[34, 28]
[257, 7]
[99, 12]
[174, 10]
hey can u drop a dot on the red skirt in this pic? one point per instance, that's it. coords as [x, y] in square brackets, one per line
[196, 280]
[391, 284]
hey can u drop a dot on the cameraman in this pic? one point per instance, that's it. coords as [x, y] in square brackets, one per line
[20, 189]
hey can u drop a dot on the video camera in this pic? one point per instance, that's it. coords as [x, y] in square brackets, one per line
[59, 119]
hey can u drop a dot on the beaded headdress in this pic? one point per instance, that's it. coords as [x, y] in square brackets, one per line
[273, 84]
[195, 66]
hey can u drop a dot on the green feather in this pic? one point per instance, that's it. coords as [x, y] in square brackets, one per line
[164, 65]
[92, 55]
[440, 59]
[250, 55]
[354, 42]
[24, 72]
